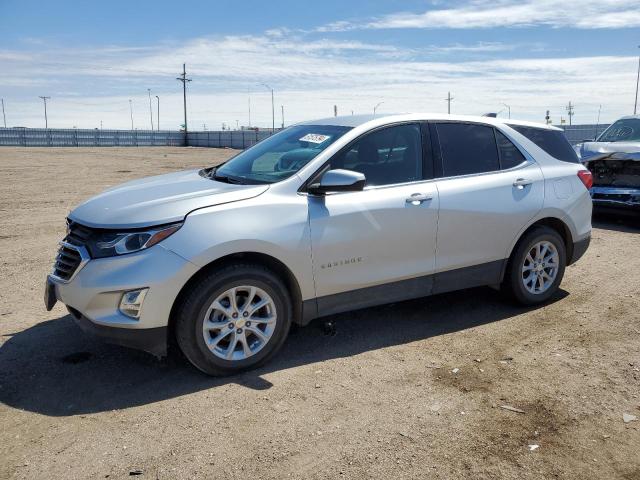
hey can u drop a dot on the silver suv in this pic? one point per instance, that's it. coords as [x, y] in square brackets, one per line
[321, 218]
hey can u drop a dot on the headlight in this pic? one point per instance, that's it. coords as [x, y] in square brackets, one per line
[109, 244]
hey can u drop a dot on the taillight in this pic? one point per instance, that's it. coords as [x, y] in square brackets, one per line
[586, 178]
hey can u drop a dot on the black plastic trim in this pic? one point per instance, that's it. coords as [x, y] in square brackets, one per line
[468, 277]
[579, 249]
[151, 340]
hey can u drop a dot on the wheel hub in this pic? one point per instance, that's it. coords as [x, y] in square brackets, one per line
[239, 322]
[540, 267]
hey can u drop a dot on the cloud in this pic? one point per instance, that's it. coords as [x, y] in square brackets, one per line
[581, 14]
[309, 76]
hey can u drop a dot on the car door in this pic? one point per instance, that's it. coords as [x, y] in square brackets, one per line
[488, 191]
[377, 245]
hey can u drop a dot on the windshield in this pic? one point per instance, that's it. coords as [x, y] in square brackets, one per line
[625, 130]
[279, 156]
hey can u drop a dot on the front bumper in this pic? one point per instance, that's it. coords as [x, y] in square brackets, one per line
[618, 197]
[93, 296]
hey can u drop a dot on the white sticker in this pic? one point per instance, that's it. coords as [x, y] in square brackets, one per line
[314, 138]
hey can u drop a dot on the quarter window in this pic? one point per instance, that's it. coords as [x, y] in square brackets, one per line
[551, 141]
[387, 156]
[510, 156]
[467, 149]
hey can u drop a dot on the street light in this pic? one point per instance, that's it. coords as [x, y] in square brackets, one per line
[131, 112]
[508, 108]
[376, 107]
[273, 111]
[158, 117]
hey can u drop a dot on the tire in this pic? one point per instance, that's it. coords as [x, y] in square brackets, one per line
[517, 282]
[235, 280]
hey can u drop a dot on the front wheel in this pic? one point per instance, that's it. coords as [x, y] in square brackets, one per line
[536, 266]
[234, 319]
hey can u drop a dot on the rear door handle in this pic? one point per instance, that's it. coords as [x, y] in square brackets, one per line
[418, 198]
[520, 183]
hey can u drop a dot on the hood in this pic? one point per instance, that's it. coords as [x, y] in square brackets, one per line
[610, 151]
[158, 200]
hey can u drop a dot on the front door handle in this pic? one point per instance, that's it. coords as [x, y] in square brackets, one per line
[520, 183]
[418, 198]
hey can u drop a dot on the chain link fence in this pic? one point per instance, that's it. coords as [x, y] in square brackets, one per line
[238, 139]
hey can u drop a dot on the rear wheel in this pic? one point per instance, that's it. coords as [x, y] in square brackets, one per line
[536, 266]
[234, 319]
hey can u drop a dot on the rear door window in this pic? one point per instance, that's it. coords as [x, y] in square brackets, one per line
[467, 149]
[551, 141]
[510, 156]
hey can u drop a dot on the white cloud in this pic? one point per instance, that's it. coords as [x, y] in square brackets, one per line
[582, 14]
[92, 84]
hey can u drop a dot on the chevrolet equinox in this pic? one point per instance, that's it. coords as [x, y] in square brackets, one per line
[323, 217]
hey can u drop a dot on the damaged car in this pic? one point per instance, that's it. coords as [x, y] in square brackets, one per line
[614, 161]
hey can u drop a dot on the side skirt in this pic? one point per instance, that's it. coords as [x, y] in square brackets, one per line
[490, 273]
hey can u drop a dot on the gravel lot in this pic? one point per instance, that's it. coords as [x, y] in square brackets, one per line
[379, 399]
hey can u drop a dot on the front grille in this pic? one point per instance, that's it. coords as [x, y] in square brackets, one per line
[73, 253]
[78, 234]
[67, 262]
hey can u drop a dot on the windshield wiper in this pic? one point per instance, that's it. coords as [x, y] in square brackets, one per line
[225, 178]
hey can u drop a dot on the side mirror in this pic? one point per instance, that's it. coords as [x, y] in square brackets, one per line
[339, 181]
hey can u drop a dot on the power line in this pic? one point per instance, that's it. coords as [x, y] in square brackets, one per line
[183, 78]
[46, 122]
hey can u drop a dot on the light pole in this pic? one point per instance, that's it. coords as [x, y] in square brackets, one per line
[150, 109]
[282, 108]
[249, 99]
[4, 117]
[158, 116]
[273, 108]
[508, 108]
[131, 112]
[46, 122]
[376, 107]
[635, 105]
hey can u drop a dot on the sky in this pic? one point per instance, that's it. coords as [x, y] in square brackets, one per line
[526, 56]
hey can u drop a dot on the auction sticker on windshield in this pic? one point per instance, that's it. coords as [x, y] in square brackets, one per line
[314, 138]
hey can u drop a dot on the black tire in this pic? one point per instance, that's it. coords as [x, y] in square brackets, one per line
[513, 285]
[191, 313]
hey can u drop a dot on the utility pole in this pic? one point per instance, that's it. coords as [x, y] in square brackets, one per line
[335, 110]
[570, 112]
[158, 116]
[46, 122]
[635, 105]
[249, 98]
[449, 99]
[3, 115]
[282, 109]
[131, 112]
[150, 109]
[183, 78]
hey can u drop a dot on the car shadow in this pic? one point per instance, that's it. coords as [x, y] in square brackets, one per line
[54, 369]
[616, 220]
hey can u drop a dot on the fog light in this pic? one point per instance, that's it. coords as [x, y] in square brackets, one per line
[131, 303]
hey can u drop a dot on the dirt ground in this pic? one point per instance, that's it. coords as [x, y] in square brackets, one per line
[378, 399]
